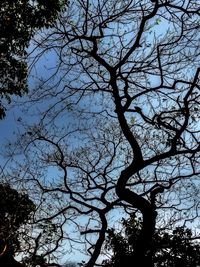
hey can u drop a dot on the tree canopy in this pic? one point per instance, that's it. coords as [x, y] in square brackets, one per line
[175, 249]
[117, 125]
[15, 211]
[19, 20]
[19, 233]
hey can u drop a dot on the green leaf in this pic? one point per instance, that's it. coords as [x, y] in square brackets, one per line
[158, 21]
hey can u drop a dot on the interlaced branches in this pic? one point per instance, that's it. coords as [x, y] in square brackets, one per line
[119, 123]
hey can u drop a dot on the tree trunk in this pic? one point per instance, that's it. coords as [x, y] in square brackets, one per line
[142, 256]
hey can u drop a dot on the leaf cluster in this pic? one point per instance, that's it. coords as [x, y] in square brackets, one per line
[19, 20]
[177, 248]
[15, 210]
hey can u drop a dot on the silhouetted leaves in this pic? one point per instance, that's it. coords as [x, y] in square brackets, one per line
[15, 209]
[174, 249]
[19, 20]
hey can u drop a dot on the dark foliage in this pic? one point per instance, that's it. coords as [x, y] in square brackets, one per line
[174, 249]
[18, 22]
[15, 209]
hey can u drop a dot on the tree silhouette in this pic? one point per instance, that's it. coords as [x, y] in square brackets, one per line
[176, 249]
[118, 128]
[15, 209]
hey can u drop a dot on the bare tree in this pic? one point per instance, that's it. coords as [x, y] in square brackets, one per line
[119, 121]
